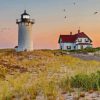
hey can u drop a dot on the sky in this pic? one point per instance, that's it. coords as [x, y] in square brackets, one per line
[49, 20]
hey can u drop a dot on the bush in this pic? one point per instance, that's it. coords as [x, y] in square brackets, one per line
[86, 82]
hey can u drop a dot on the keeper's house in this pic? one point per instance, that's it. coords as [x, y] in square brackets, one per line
[74, 41]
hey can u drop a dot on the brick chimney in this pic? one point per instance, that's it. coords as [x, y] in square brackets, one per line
[78, 31]
[70, 33]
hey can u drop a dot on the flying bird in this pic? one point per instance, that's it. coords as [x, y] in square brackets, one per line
[65, 17]
[64, 10]
[74, 3]
[95, 13]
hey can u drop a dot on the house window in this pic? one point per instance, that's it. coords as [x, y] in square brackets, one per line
[61, 47]
[86, 40]
[69, 47]
[79, 40]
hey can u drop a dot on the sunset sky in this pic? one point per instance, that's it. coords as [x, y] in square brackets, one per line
[50, 22]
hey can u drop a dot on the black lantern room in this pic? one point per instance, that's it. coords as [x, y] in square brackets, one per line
[25, 16]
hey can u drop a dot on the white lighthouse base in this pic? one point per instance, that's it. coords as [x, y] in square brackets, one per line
[21, 49]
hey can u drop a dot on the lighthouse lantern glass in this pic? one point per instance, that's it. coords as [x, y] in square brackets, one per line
[26, 16]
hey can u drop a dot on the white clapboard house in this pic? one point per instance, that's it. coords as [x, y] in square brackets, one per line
[74, 41]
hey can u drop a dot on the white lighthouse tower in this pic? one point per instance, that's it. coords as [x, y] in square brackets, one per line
[25, 41]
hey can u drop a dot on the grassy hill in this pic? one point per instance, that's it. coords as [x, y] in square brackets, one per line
[26, 75]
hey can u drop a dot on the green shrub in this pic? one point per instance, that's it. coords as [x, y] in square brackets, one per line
[86, 82]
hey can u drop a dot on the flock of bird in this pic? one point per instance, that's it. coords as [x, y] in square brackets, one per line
[4, 29]
[74, 3]
[65, 17]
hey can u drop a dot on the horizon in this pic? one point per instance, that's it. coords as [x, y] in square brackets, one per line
[50, 21]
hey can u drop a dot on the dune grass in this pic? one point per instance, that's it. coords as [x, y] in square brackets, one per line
[25, 75]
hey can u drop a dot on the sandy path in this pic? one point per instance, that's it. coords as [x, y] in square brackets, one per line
[86, 57]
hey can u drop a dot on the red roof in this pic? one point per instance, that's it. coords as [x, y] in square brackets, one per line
[68, 38]
[82, 35]
[72, 38]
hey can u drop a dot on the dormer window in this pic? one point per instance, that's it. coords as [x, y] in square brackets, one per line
[79, 40]
[86, 40]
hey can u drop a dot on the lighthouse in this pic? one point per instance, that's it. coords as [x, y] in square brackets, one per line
[25, 40]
